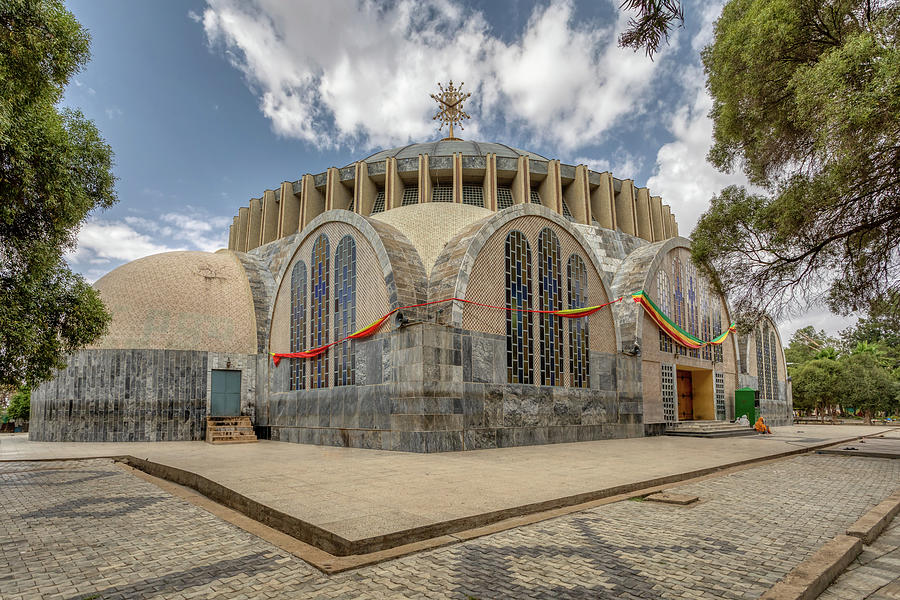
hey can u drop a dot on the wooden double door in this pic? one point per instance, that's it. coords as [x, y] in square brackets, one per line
[685, 392]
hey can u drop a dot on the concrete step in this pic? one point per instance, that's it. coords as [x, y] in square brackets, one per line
[229, 430]
[709, 429]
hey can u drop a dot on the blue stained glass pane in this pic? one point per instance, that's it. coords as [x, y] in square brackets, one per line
[318, 377]
[579, 346]
[550, 298]
[298, 324]
[344, 310]
[518, 296]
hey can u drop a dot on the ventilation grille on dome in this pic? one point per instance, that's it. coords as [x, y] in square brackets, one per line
[473, 195]
[504, 197]
[442, 193]
[378, 206]
[410, 195]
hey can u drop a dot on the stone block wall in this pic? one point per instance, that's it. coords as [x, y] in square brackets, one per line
[432, 388]
[124, 396]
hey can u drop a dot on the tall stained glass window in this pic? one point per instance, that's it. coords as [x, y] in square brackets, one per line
[518, 297]
[678, 289]
[298, 324]
[716, 332]
[319, 310]
[693, 305]
[767, 363]
[579, 354]
[344, 310]
[550, 298]
[773, 360]
[664, 298]
[760, 372]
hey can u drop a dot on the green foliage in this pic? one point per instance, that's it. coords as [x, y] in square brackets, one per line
[654, 20]
[817, 384]
[808, 344]
[20, 405]
[807, 103]
[54, 170]
[867, 385]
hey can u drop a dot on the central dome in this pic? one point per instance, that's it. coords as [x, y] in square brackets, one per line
[450, 147]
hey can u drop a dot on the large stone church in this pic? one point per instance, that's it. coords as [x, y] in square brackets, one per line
[470, 248]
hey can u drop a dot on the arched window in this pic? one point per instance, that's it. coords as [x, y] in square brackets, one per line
[298, 324]
[319, 301]
[344, 309]
[678, 299]
[767, 364]
[518, 297]
[773, 360]
[693, 324]
[716, 331]
[550, 298]
[760, 372]
[664, 298]
[579, 354]
[705, 319]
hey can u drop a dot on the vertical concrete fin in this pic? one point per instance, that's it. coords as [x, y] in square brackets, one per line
[577, 196]
[254, 230]
[243, 228]
[625, 208]
[457, 177]
[270, 208]
[424, 179]
[489, 185]
[521, 183]
[656, 219]
[312, 200]
[364, 191]
[337, 195]
[602, 202]
[550, 189]
[642, 212]
[289, 216]
[667, 221]
[393, 185]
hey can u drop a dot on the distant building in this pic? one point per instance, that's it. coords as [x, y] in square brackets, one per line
[316, 259]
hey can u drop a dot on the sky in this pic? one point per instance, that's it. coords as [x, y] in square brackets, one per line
[209, 103]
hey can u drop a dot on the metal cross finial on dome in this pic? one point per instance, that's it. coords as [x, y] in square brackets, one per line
[451, 102]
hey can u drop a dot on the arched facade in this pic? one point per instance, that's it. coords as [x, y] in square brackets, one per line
[467, 247]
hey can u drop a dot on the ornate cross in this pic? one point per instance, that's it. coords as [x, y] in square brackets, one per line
[451, 102]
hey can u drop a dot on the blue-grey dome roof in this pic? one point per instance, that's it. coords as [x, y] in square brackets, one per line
[448, 147]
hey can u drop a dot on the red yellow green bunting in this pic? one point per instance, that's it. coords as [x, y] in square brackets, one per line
[674, 331]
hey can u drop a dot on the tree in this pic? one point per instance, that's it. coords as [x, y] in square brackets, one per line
[818, 385]
[867, 385]
[806, 101]
[654, 20]
[808, 344]
[54, 170]
[20, 405]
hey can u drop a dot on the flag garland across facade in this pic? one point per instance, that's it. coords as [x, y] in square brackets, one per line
[569, 313]
[674, 331]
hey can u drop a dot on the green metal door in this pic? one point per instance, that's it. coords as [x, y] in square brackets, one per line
[226, 393]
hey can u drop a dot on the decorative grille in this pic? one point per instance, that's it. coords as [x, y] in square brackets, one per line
[518, 296]
[378, 205]
[504, 197]
[566, 212]
[350, 207]
[667, 385]
[720, 396]
[298, 323]
[535, 197]
[473, 195]
[318, 377]
[550, 298]
[442, 193]
[345, 310]
[410, 195]
[579, 355]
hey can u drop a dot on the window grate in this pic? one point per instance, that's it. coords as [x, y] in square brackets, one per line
[473, 195]
[550, 298]
[378, 206]
[720, 396]
[667, 385]
[504, 197]
[566, 212]
[442, 193]
[410, 195]
[535, 197]
[518, 297]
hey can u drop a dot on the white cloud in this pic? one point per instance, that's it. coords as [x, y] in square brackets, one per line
[356, 73]
[114, 112]
[624, 164]
[112, 241]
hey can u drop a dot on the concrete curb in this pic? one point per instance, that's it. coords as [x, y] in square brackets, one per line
[871, 524]
[811, 577]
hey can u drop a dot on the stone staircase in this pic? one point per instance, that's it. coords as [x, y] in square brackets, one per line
[708, 429]
[229, 430]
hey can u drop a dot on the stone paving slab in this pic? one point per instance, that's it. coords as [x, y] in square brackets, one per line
[886, 447]
[355, 494]
[875, 574]
[76, 529]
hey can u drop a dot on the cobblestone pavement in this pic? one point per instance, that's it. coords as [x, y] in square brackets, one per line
[87, 529]
[875, 574]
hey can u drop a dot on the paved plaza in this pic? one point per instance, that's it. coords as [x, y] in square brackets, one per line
[353, 493]
[90, 529]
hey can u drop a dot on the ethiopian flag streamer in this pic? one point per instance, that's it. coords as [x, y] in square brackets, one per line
[674, 331]
[568, 313]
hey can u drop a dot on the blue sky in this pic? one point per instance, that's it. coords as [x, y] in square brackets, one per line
[208, 103]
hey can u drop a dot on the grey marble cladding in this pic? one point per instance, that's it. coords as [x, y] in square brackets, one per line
[123, 396]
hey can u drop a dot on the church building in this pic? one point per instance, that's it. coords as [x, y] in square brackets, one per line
[440, 296]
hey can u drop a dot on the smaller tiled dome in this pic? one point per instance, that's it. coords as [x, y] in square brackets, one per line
[179, 301]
